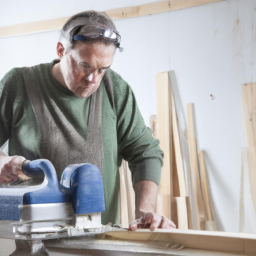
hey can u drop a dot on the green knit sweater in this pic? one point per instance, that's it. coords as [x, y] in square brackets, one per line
[124, 132]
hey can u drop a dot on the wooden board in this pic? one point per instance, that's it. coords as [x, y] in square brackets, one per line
[120, 13]
[164, 134]
[153, 8]
[249, 105]
[153, 125]
[203, 240]
[195, 180]
[206, 198]
[123, 199]
[127, 195]
[178, 154]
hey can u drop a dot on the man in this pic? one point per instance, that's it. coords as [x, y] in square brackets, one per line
[76, 109]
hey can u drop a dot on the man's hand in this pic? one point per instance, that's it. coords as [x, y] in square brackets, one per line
[145, 203]
[152, 221]
[11, 168]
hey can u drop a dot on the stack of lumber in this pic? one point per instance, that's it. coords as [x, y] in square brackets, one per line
[187, 209]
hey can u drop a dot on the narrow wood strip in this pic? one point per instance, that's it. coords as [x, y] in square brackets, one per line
[204, 240]
[153, 125]
[123, 197]
[120, 13]
[179, 212]
[164, 134]
[249, 105]
[130, 192]
[32, 27]
[251, 154]
[206, 198]
[195, 180]
[153, 8]
[178, 154]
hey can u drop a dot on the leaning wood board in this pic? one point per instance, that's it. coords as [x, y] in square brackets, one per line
[120, 13]
[164, 134]
[249, 105]
[195, 180]
[202, 240]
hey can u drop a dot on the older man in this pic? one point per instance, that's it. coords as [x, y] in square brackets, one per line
[76, 109]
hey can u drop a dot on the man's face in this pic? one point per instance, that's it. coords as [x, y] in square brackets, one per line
[84, 66]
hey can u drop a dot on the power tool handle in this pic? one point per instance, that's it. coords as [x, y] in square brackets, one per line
[30, 170]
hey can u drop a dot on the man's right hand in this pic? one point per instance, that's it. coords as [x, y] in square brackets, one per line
[11, 168]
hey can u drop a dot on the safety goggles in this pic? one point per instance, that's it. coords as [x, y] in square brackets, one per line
[95, 31]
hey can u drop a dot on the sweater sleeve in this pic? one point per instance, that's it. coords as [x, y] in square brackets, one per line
[135, 141]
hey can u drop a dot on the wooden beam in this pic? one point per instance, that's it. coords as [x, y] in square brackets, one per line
[209, 223]
[208, 214]
[164, 134]
[249, 105]
[153, 8]
[203, 240]
[195, 180]
[120, 13]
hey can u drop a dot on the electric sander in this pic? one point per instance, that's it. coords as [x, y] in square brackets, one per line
[52, 210]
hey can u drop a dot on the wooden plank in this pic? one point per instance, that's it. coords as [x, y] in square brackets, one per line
[251, 154]
[164, 134]
[120, 13]
[33, 27]
[249, 105]
[203, 240]
[129, 192]
[178, 155]
[153, 8]
[127, 195]
[206, 198]
[153, 125]
[123, 198]
[195, 180]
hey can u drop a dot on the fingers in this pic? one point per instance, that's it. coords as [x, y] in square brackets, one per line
[167, 224]
[133, 225]
[11, 169]
[152, 221]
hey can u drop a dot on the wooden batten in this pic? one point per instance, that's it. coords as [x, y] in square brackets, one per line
[120, 13]
[206, 198]
[153, 125]
[164, 134]
[178, 154]
[127, 195]
[195, 180]
[249, 105]
[218, 242]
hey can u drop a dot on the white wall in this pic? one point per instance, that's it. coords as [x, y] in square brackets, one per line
[212, 49]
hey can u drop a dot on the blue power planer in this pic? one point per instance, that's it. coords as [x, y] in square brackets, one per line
[52, 209]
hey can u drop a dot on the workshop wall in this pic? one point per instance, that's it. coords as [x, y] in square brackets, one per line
[211, 48]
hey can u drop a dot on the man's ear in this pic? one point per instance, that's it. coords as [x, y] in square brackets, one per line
[60, 50]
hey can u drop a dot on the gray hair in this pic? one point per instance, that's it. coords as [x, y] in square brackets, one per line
[74, 25]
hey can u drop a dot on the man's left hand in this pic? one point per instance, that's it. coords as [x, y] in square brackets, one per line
[152, 221]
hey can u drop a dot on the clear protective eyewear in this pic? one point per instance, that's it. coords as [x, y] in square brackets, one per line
[94, 31]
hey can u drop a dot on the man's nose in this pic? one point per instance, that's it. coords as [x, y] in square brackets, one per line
[92, 77]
